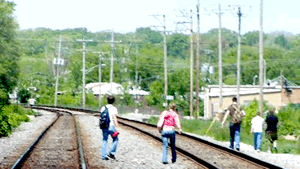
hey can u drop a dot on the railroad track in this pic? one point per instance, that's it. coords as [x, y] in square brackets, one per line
[205, 153]
[58, 146]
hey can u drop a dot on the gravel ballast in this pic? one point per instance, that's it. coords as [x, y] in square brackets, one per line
[133, 151]
[24, 134]
[290, 161]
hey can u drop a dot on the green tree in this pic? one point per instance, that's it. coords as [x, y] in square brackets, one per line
[252, 38]
[150, 35]
[281, 40]
[177, 45]
[9, 50]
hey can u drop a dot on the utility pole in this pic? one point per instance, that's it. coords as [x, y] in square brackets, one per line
[191, 66]
[57, 72]
[239, 14]
[220, 60]
[261, 60]
[198, 59]
[100, 79]
[190, 20]
[112, 60]
[219, 13]
[136, 77]
[165, 61]
[163, 24]
[83, 69]
[100, 76]
[239, 56]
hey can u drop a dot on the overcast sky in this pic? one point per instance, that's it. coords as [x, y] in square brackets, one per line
[127, 15]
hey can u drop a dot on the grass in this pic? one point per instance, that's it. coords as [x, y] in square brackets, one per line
[200, 127]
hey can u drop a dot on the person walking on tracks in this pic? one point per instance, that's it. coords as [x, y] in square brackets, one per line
[271, 131]
[236, 113]
[108, 124]
[257, 129]
[167, 121]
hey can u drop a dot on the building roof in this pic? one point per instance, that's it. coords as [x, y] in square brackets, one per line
[117, 89]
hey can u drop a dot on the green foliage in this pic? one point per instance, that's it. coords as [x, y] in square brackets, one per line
[150, 35]
[24, 95]
[177, 45]
[251, 111]
[11, 117]
[281, 40]
[252, 38]
[68, 99]
[289, 118]
[9, 51]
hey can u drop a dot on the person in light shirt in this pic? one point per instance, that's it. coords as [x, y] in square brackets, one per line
[167, 121]
[257, 129]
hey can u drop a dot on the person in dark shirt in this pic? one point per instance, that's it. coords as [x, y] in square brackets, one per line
[271, 131]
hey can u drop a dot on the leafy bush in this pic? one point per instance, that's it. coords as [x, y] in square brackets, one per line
[251, 111]
[289, 118]
[11, 117]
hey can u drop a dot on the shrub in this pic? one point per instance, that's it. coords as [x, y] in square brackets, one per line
[11, 117]
[289, 118]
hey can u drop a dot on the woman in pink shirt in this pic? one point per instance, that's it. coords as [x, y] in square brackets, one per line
[167, 121]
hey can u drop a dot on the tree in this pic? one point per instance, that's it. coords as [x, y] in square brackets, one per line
[280, 40]
[177, 45]
[252, 38]
[150, 35]
[9, 50]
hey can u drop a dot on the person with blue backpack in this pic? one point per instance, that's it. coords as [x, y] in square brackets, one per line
[109, 124]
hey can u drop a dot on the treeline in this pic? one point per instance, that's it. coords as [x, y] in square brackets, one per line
[145, 47]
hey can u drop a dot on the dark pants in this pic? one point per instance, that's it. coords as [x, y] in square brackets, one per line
[235, 134]
[168, 134]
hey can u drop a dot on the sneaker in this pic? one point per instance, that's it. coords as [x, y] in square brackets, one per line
[237, 149]
[105, 158]
[257, 151]
[111, 156]
[165, 162]
[173, 161]
[275, 149]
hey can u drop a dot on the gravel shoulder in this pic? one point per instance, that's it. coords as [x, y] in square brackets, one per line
[133, 151]
[24, 134]
[289, 161]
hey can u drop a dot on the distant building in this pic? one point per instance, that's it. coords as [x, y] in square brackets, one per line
[274, 94]
[114, 88]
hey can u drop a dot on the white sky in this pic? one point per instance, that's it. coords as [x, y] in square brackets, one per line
[127, 15]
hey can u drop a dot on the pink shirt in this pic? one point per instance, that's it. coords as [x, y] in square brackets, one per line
[168, 119]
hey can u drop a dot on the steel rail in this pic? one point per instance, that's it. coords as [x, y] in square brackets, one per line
[22, 158]
[216, 146]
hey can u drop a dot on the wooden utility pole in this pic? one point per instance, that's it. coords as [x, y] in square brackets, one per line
[261, 61]
[198, 59]
[239, 57]
[57, 72]
[83, 69]
[191, 65]
[189, 17]
[163, 24]
[238, 65]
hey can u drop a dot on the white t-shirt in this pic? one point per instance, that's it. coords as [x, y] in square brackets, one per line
[112, 110]
[257, 124]
[31, 101]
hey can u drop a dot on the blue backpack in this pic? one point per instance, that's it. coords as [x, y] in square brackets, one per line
[104, 119]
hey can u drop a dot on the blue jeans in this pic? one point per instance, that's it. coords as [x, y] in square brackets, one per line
[235, 135]
[257, 140]
[168, 134]
[114, 144]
